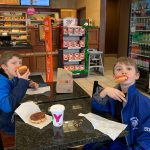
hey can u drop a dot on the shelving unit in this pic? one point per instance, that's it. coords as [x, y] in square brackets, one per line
[14, 24]
[139, 40]
[73, 51]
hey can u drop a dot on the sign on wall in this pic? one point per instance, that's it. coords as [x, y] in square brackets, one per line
[48, 47]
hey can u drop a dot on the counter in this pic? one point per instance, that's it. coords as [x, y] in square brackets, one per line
[19, 47]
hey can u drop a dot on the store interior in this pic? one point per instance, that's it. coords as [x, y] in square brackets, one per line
[107, 24]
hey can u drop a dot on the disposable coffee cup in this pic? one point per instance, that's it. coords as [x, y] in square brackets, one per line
[57, 112]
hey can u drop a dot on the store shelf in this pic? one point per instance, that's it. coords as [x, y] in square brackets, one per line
[73, 50]
[14, 24]
[139, 40]
[140, 55]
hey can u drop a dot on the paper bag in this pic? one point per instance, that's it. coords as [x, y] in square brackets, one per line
[64, 81]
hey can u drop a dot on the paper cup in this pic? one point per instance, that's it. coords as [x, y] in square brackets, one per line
[57, 114]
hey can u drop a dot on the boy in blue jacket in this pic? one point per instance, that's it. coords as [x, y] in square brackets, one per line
[13, 87]
[128, 105]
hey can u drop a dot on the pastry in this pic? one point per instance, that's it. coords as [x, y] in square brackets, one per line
[38, 117]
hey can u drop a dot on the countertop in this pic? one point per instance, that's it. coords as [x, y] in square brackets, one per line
[75, 130]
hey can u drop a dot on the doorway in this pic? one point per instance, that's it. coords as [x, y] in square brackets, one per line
[112, 26]
[81, 15]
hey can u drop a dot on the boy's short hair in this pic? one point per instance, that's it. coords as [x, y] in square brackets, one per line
[8, 55]
[127, 61]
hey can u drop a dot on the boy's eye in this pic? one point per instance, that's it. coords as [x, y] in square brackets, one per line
[14, 63]
[129, 68]
[118, 69]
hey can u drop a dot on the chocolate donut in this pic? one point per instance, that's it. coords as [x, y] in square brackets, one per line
[38, 117]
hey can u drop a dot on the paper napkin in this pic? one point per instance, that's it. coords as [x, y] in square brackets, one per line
[40, 90]
[25, 110]
[108, 127]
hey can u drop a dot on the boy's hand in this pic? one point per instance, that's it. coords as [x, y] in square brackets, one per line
[113, 93]
[33, 84]
[24, 76]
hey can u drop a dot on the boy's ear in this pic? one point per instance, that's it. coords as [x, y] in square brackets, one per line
[137, 75]
[3, 66]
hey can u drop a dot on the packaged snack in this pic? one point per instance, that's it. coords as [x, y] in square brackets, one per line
[82, 43]
[70, 30]
[81, 67]
[65, 31]
[82, 31]
[77, 30]
[65, 56]
[65, 43]
[76, 56]
[71, 56]
[77, 67]
[81, 56]
[66, 67]
[71, 67]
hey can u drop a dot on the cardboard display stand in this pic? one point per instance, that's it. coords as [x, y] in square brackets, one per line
[48, 48]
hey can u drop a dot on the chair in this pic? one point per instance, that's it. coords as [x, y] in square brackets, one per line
[8, 141]
[94, 104]
[95, 61]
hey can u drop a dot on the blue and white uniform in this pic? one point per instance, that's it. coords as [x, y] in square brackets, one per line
[11, 94]
[135, 113]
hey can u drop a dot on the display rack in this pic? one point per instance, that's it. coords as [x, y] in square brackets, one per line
[14, 24]
[74, 51]
[139, 40]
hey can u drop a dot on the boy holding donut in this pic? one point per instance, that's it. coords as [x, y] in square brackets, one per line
[13, 87]
[125, 103]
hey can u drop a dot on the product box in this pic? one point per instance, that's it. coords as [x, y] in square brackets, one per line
[81, 67]
[66, 67]
[68, 22]
[82, 30]
[65, 31]
[71, 56]
[65, 56]
[71, 67]
[76, 67]
[76, 56]
[81, 57]
[65, 43]
[82, 43]
[70, 30]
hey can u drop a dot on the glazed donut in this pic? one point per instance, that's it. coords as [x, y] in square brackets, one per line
[22, 69]
[120, 79]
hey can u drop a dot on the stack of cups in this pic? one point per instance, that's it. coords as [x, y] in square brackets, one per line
[57, 114]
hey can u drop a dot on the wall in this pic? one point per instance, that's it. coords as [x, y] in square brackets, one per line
[63, 4]
[80, 3]
[92, 9]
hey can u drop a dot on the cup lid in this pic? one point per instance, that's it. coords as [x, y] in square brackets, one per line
[56, 108]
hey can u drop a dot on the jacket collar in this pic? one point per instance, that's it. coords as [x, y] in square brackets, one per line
[3, 73]
[131, 90]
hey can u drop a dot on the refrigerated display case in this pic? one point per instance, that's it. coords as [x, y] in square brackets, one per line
[139, 40]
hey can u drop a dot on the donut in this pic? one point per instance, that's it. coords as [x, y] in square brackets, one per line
[22, 69]
[120, 79]
[38, 117]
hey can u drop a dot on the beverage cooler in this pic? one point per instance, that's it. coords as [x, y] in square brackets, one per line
[139, 40]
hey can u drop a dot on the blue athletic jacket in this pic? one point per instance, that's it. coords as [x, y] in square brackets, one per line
[136, 114]
[11, 94]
